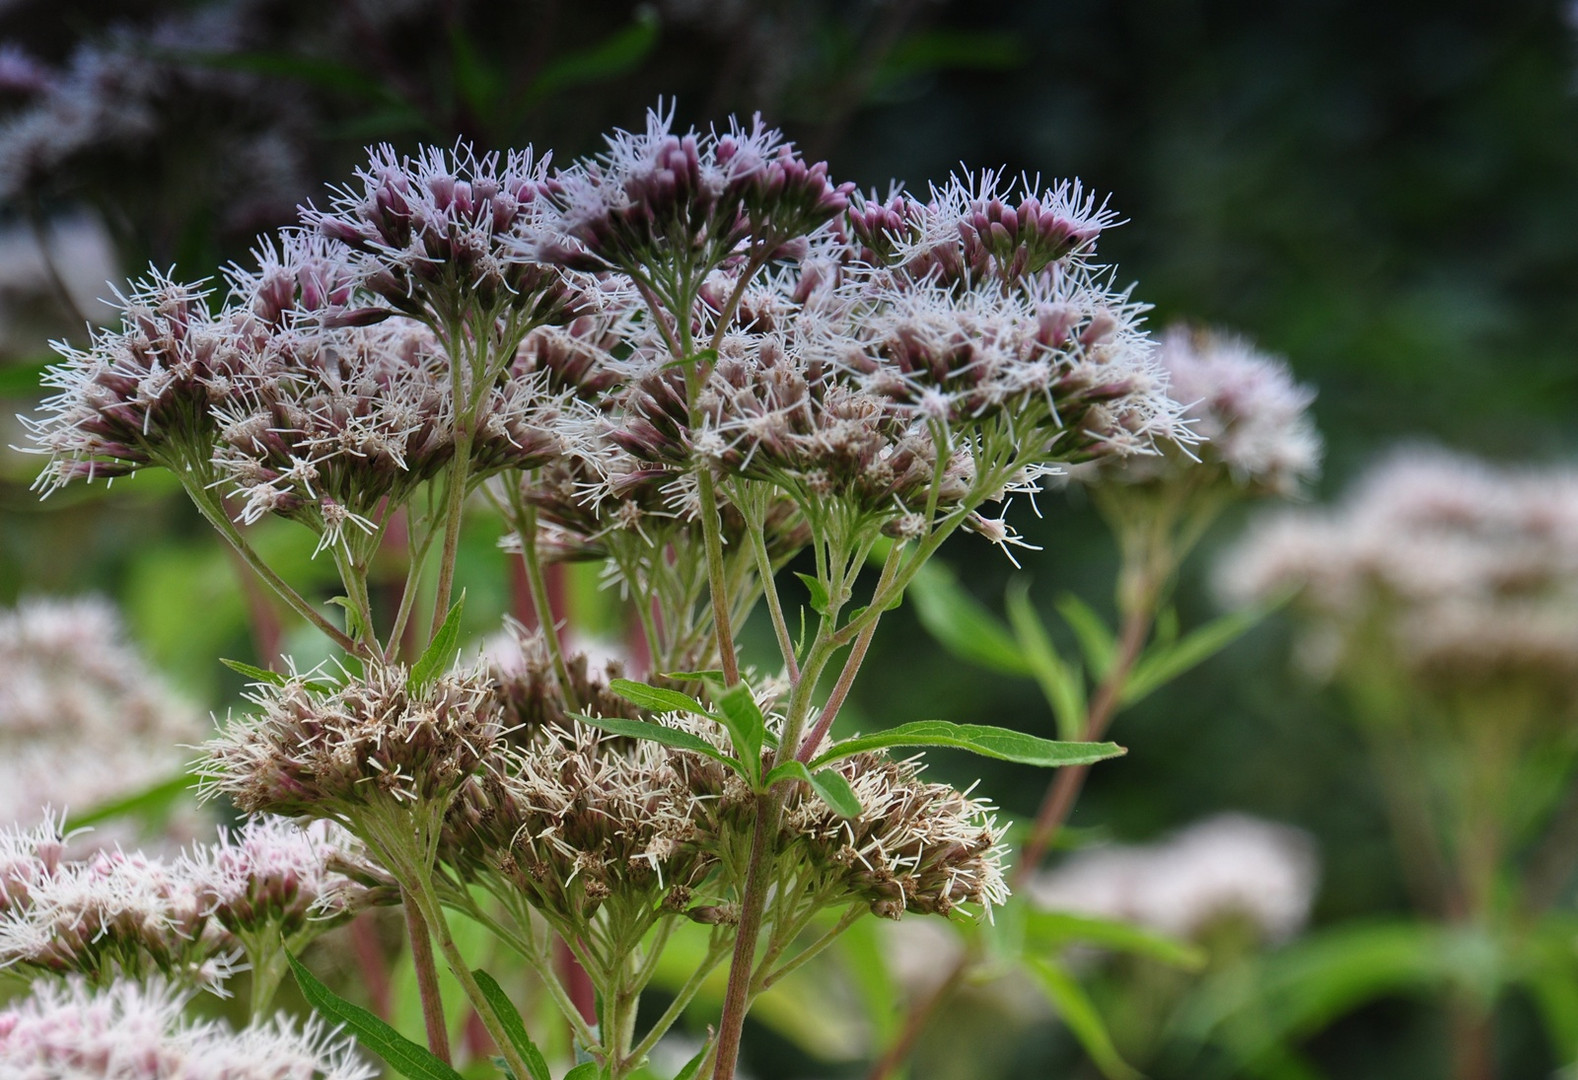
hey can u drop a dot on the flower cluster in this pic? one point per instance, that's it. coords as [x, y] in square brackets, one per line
[1226, 867]
[658, 199]
[574, 818]
[1252, 418]
[327, 751]
[438, 233]
[139, 394]
[83, 718]
[136, 1031]
[1463, 573]
[117, 914]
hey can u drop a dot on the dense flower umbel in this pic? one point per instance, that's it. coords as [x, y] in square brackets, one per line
[1253, 419]
[658, 200]
[133, 1031]
[139, 394]
[444, 232]
[115, 914]
[328, 751]
[978, 229]
[579, 818]
[274, 874]
[1465, 573]
[112, 915]
[84, 719]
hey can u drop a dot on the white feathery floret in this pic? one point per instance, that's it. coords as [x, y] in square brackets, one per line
[137, 1031]
[84, 718]
[1468, 570]
[1250, 415]
[1225, 866]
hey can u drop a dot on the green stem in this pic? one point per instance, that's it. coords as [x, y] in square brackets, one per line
[417, 554]
[682, 998]
[712, 534]
[767, 978]
[764, 569]
[543, 967]
[268, 969]
[216, 516]
[857, 655]
[421, 886]
[454, 506]
[526, 527]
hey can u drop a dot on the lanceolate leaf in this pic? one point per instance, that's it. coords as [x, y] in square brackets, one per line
[255, 673]
[585, 1071]
[643, 729]
[818, 591]
[409, 1059]
[440, 652]
[1164, 665]
[829, 785]
[1095, 637]
[1054, 929]
[1075, 1009]
[656, 698]
[962, 625]
[994, 742]
[693, 1066]
[747, 726]
[144, 803]
[1062, 683]
[514, 1026]
[713, 674]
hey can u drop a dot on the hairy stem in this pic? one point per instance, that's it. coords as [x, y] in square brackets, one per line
[526, 528]
[712, 534]
[216, 516]
[764, 569]
[857, 655]
[682, 998]
[1065, 787]
[426, 978]
[422, 891]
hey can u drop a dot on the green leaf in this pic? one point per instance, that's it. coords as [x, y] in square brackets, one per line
[1077, 1012]
[962, 625]
[1055, 929]
[510, 1019]
[709, 675]
[146, 803]
[1062, 683]
[479, 84]
[747, 726]
[1096, 639]
[409, 1059]
[829, 785]
[693, 1066]
[613, 56]
[819, 600]
[657, 698]
[586, 1071]
[439, 654]
[1164, 665]
[667, 736]
[255, 673]
[993, 742]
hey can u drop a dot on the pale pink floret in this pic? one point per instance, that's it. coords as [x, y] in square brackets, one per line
[132, 1031]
